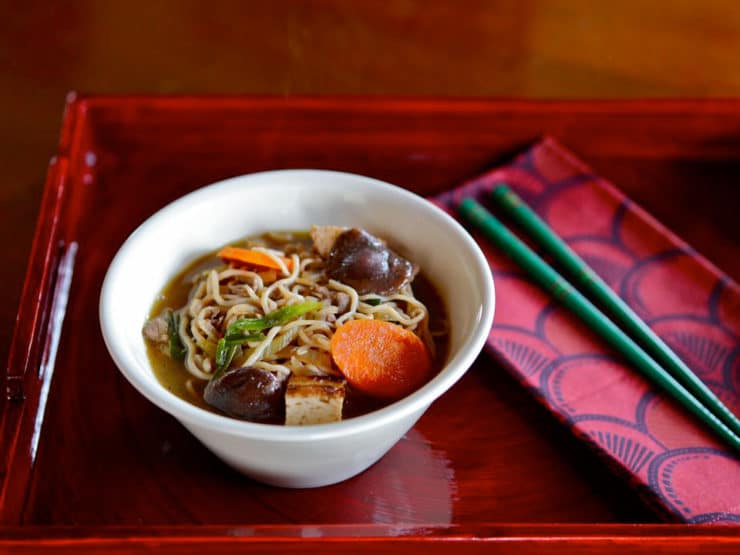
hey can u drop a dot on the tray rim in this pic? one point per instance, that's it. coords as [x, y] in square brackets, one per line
[607, 538]
[21, 400]
[36, 295]
[652, 105]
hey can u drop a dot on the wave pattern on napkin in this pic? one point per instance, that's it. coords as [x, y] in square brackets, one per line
[687, 301]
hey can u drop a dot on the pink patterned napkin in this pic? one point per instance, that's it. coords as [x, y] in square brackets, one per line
[665, 452]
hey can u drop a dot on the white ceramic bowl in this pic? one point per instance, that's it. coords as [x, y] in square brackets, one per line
[294, 199]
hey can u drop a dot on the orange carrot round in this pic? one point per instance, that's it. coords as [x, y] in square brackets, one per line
[380, 359]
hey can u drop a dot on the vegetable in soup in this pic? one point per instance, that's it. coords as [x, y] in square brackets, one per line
[298, 328]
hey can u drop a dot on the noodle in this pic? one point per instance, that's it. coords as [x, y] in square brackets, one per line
[220, 296]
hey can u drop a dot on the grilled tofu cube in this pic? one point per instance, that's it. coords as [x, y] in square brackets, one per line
[313, 400]
[324, 237]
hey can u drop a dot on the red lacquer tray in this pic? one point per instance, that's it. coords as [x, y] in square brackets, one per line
[89, 464]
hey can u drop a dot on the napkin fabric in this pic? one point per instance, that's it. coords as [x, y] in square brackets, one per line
[667, 454]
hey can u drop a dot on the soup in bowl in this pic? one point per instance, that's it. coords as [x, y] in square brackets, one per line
[297, 322]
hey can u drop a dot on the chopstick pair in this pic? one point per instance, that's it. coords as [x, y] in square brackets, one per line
[673, 376]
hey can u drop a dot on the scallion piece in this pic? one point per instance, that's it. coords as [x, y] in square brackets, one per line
[226, 348]
[177, 349]
[274, 318]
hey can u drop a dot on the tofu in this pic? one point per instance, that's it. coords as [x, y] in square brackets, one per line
[324, 236]
[313, 400]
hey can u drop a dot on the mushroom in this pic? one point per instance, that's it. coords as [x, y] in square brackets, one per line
[248, 393]
[364, 262]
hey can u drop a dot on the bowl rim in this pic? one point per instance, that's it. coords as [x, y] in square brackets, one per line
[417, 401]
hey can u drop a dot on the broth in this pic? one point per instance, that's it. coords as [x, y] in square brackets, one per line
[175, 377]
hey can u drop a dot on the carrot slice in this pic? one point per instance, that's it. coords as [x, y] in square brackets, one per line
[252, 258]
[380, 359]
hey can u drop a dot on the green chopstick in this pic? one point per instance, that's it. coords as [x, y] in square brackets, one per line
[572, 299]
[587, 281]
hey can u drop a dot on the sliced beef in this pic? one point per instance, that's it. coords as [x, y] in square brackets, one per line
[157, 329]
